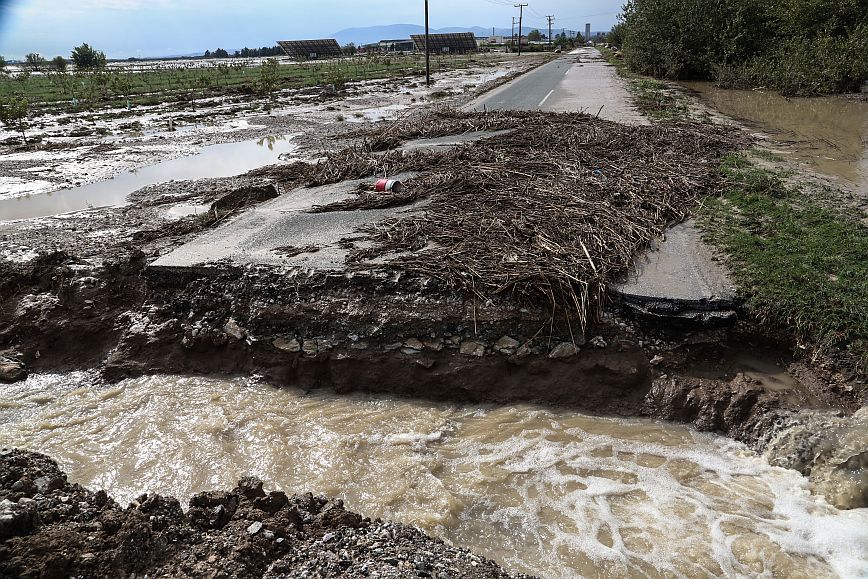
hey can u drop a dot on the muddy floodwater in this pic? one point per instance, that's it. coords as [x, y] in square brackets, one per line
[548, 492]
[224, 160]
[828, 133]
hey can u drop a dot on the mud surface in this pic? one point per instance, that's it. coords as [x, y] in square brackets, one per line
[51, 528]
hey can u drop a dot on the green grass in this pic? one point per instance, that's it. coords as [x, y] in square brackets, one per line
[766, 155]
[803, 265]
[655, 99]
[652, 97]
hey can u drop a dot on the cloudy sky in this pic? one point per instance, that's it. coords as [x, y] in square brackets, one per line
[123, 28]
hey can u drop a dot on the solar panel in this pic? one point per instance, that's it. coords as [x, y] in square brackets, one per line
[459, 42]
[311, 49]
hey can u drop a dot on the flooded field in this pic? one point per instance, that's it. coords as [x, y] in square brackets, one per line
[223, 160]
[549, 492]
[828, 133]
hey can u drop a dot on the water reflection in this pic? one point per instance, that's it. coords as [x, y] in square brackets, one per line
[828, 133]
[225, 160]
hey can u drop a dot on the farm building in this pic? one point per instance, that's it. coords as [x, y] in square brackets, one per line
[396, 45]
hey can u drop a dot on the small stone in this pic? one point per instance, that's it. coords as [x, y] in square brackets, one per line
[17, 519]
[656, 360]
[11, 371]
[393, 347]
[359, 346]
[523, 352]
[472, 349]
[254, 528]
[506, 345]
[45, 484]
[599, 342]
[434, 345]
[233, 329]
[454, 340]
[563, 350]
[287, 345]
[414, 344]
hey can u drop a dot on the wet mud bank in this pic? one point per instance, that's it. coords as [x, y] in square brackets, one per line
[51, 528]
[405, 336]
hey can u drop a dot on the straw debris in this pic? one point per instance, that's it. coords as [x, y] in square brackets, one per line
[555, 210]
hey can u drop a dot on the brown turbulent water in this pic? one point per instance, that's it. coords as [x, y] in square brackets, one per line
[828, 133]
[549, 492]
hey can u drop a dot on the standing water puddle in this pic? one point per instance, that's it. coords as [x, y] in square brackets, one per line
[553, 493]
[828, 133]
[225, 160]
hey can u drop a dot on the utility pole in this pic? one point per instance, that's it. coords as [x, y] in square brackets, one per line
[427, 50]
[512, 38]
[550, 19]
[520, 15]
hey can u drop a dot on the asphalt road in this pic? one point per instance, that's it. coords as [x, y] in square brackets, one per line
[528, 92]
[577, 82]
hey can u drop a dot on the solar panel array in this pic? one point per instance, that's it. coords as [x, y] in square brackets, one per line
[459, 42]
[311, 49]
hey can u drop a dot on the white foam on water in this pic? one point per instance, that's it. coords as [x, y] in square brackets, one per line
[551, 493]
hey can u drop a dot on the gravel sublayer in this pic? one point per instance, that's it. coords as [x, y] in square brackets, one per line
[51, 528]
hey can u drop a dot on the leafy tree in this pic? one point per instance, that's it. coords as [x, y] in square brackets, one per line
[534, 36]
[59, 63]
[34, 61]
[13, 114]
[3, 70]
[221, 53]
[615, 36]
[87, 58]
[350, 49]
[796, 46]
[269, 76]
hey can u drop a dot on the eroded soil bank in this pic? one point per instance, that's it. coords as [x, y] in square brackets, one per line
[244, 532]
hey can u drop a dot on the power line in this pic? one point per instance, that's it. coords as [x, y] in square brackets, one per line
[551, 19]
[520, 15]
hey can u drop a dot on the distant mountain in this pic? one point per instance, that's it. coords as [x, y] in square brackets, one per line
[371, 34]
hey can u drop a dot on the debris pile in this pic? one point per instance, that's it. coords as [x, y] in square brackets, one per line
[554, 210]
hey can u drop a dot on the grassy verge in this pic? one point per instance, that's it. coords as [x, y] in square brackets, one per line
[652, 97]
[803, 265]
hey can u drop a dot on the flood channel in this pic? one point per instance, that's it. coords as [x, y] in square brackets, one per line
[830, 134]
[214, 161]
[545, 491]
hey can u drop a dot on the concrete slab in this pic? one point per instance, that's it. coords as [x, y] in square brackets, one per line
[257, 236]
[679, 276]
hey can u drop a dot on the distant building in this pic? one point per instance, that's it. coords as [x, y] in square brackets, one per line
[396, 45]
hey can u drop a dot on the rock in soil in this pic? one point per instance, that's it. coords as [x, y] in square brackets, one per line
[51, 528]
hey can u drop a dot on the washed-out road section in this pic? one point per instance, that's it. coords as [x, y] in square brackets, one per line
[677, 278]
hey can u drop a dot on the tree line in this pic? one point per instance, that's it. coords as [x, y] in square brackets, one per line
[265, 51]
[798, 47]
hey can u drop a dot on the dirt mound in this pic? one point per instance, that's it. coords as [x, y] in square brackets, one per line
[51, 528]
